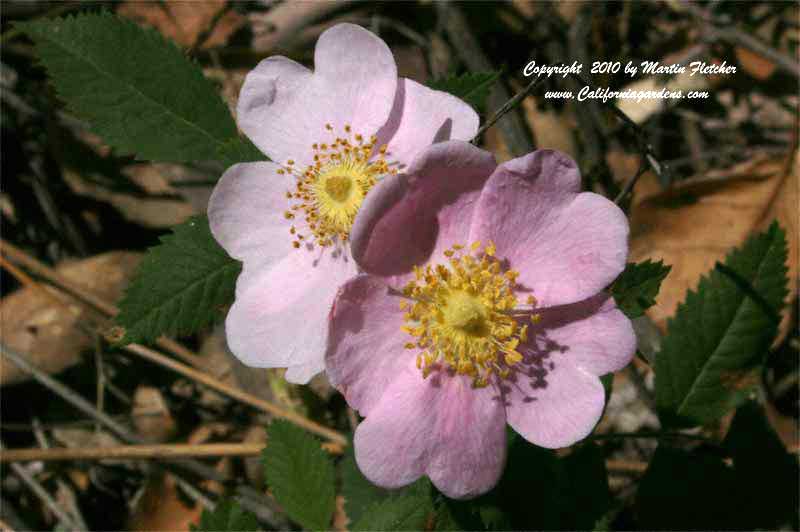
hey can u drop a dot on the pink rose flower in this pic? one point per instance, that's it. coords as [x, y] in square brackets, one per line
[332, 133]
[483, 304]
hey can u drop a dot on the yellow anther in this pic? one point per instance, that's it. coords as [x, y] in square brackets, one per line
[460, 317]
[536, 318]
[531, 301]
[475, 245]
[329, 192]
[491, 249]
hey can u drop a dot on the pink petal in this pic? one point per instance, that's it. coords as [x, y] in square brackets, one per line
[280, 316]
[365, 345]
[552, 403]
[440, 427]
[245, 213]
[283, 107]
[597, 336]
[422, 116]
[414, 217]
[303, 373]
[565, 245]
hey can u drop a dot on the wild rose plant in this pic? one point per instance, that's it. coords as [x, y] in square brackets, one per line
[448, 297]
[482, 304]
[332, 134]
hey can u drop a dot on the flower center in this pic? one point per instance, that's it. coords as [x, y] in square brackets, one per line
[329, 192]
[463, 314]
[338, 188]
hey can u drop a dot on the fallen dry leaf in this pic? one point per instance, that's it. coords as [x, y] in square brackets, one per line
[35, 323]
[187, 22]
[151, 416]
[694, 225]
[163, 208]
[754, 64]
[162, 507]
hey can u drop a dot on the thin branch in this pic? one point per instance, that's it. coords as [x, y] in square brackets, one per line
[45, 497]
[140, 452]
[626, 466]
[72, 505]
[735, 36]
[646, 149]
[648, 435]
[508, 106]
[250, 498]
[236, 393]
[86, 297]
[631, 182]
[513, 130]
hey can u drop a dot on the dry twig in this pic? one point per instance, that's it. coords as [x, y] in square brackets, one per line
[85, 297]
[139, 452]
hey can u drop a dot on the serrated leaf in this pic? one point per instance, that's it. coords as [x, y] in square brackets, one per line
[404, 512]
[720, 334]
[636, 288]
[300, 475]
[239, 150]
[472, 87]
[360, 494]
[227, 516]
[180, 285]
[135, 88]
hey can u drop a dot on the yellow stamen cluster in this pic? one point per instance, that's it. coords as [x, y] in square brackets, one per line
[461, 315]
[329, 192]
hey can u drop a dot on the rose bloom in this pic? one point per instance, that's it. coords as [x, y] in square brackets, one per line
[482, 304]
[333, 133]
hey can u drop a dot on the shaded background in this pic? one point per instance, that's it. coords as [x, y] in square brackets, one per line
[728, 168]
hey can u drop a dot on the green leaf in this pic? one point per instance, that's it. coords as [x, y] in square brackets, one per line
[684, 490]
[720, 334]
[636, 288]
[358, 492]
[135, 88]
[300, 475]
[239, 150]
[180, 285]
[765, 472]
[472, 87]
[404, 512]
[227, 516]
